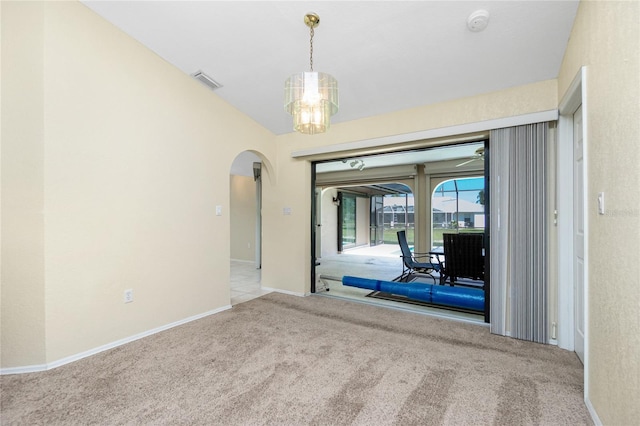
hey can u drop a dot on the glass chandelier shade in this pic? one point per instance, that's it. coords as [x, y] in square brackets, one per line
[311, 98]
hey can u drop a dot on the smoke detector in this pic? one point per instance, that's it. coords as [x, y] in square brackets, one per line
[478, 21]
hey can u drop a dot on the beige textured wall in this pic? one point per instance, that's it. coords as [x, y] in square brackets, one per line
[293, 185]
[606, 39]
[243, 218]
[286, 242]
[133, 158]
[22, 151]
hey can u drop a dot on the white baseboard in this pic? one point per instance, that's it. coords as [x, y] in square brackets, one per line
[243, 261]
[592, 411]
[290, 293]
[76, 357]
[22, 370]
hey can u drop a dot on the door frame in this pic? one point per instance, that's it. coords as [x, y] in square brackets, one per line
[375, 225]
[575, 96]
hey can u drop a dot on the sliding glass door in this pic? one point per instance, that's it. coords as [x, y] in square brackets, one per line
[376, 227]
[347, 219]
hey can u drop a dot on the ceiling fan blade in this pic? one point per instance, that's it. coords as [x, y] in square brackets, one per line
[466, 162]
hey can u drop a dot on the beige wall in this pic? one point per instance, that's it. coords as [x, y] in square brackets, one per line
[286, 243]
[112, 164]
[243, 218]
[606, 39]
[23, 264]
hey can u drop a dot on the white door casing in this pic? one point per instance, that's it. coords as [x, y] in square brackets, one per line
[574, 106]
[579, 234]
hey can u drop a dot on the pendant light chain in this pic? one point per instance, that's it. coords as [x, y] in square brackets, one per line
[311, 48]
[311, 97]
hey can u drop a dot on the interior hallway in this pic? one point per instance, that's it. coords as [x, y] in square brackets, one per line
[245, 282]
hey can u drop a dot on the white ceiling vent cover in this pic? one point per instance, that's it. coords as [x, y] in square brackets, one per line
[206, 80]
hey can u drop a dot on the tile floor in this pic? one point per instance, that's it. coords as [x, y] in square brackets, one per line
[245, 282]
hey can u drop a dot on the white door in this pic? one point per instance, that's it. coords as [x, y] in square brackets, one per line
[578, 229]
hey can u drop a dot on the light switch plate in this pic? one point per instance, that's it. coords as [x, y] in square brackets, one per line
[218, 210]
[601, 203]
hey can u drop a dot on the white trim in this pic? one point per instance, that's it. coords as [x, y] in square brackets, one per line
[575, 96]
[567, 107]
[23, 370]
[460, 129]
[564, 206]
[76, 357]
[290, 293]
[592, 411]
[585, 205]
[242, 261]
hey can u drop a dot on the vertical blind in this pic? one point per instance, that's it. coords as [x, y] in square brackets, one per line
[519, 243]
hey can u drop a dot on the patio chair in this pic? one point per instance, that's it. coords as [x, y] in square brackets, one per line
[463, 258]
[411, 264]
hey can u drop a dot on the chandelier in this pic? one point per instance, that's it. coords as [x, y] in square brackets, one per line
[311, 97]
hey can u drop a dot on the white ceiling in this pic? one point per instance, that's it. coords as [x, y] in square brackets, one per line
[386, 55]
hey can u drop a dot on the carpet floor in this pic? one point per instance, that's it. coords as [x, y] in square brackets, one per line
[288, 360]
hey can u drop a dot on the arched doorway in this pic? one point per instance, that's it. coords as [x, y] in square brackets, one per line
[245, 205]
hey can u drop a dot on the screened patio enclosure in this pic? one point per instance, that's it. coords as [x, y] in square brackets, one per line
[458, 206]
[361, 204]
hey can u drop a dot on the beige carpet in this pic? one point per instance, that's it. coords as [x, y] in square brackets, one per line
[289, 360]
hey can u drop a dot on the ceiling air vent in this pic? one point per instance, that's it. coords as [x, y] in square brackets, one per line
[206, 80]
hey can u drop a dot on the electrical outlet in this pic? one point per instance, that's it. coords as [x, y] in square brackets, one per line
[128, 296]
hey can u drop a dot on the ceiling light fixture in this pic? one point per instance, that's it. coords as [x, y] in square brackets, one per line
[311, 97]
[357, 164]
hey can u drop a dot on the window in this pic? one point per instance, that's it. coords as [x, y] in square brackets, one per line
[457, 206]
